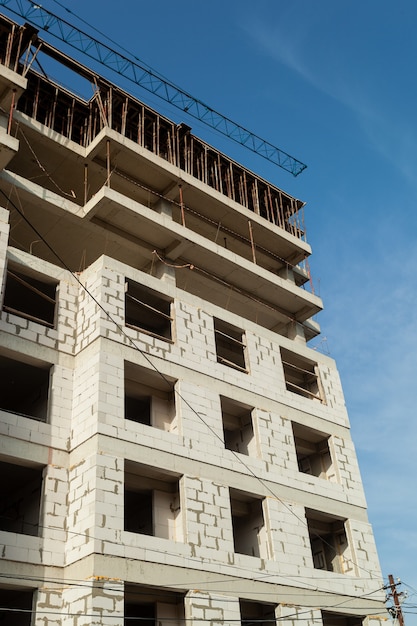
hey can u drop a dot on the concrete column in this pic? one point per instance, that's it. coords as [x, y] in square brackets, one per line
[163, 207]
[54, 514]
[287, 273]
[164, 272]
[295, 331]
[289, 536]
[81, 520]
[290, 615]
[47, 606]
[362, 547]
[93, 603]
[4, 238]
[214, 609]
[208, 521]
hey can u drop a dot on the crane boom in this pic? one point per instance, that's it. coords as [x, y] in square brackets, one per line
[140, 75]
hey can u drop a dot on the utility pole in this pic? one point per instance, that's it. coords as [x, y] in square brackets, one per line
[396, 611]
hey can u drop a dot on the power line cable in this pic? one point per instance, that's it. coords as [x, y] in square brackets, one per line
[134, 344]
[295, 617]
[112, 584]
[154, 367]
[150, 362]
[186, 402]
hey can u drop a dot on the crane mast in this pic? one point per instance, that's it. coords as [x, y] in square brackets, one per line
[149, 80]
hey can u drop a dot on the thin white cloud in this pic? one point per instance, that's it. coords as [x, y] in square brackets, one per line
[393, 139]
[371, 295]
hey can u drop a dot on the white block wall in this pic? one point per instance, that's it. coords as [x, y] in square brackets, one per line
[83, 504]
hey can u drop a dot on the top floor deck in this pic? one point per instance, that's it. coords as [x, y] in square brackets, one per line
[81, 120]
[110, 175]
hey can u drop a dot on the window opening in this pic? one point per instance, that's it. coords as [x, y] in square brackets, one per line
[140, 614]
[147, 606]
[313, 452]
[257, 613]
[138, 409]
[338, 619]
[149, 398]
[301, 375]
[152, 502]
[16, 606]
[248, 524]
[148, 311]
[329, 544]
[20, 497]
[238, 426]
[141, 504]
[29, 297]
[230, 346]
[25, 388]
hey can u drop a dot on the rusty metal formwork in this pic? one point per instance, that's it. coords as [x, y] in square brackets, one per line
[81, 120]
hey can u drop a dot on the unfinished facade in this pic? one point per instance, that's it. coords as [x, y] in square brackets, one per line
[171, 448]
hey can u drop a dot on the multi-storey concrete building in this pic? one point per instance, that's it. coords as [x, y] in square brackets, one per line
[172, 451]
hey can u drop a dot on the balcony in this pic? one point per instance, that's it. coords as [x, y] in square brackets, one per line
[140, 236]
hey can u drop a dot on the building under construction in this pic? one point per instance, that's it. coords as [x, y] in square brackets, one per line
[172, 451]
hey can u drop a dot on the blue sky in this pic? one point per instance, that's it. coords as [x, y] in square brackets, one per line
[332, 82]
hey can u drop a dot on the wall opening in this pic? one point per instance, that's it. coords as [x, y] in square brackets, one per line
[25, 388]
[313, 452]
[257, 613]
[30, 296]
[17, 605]
[329, 543]
[238, 426]
[249, 533]
[146, 606]
[230, 345]
[149, 398]
[339, 619]
[148, 311]
[20, 497]
[301, 375]
[139, 511]
[152, 502]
